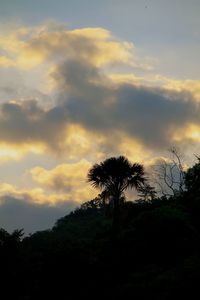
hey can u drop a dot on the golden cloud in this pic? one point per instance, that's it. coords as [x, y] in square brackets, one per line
[91, 103]
[35, 195]
[68, 180]
[33, 46]
[17, 152]
[6, 188]
[6, 62]
[155, 80]
[189, 132]
[62, 177]
[192, 86]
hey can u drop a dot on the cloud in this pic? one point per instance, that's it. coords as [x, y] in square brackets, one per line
[64, 177]
[192, 86]
[62, 189]
[26, 127]
[58, 186]
[83, 93]
[55, 188]
[34, 195]
[33, 46]
[153, 114]
[90, 110]
[6, 62]
[92, 105]
[27, 123]
[17, 213]
[156, 80]
[148, 114]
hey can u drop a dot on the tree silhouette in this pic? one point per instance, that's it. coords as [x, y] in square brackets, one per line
[114, 176]
[192, 178]
[169, 174]
[147, 192]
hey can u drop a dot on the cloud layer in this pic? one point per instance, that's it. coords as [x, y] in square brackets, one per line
[80, 96]
[17, 213]
[77, 64]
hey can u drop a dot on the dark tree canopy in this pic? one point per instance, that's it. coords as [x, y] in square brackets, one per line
[155, 255]
[192, 178]
[116, 174]
[113, 176]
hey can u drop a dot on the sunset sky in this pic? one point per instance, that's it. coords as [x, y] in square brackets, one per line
[81, 81]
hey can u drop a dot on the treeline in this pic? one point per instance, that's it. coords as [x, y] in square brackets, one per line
[112, 247]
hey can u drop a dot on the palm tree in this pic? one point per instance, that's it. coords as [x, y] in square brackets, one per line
[114, 176]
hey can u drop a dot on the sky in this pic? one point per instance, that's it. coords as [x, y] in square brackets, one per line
[82, 81]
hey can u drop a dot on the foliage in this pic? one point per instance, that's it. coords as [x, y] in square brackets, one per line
[147, 192]
[192, 178]
[156, 254]
[114, 176]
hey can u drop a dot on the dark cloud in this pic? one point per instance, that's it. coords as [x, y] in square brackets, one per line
[27, 122]
[18, 213]
[88, 98]
[149, 114]
[152, 115]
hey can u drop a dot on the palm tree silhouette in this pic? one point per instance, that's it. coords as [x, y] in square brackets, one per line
[113, 176]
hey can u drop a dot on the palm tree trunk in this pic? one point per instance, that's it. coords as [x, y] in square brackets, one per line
[115, 224]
